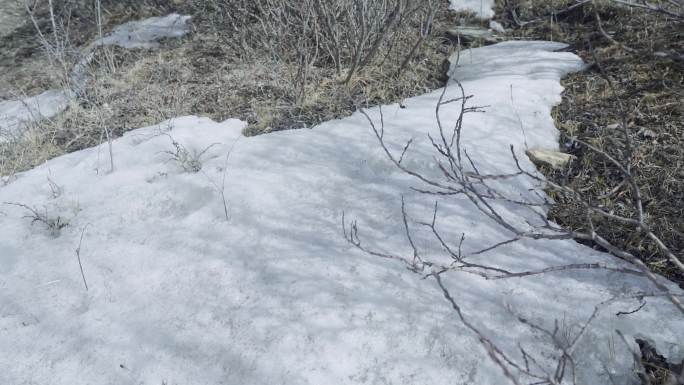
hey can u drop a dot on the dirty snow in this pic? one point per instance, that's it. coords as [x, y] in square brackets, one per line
[147, 33]
[15, 113]
[274, 295]
[507, 59]
[482, 8]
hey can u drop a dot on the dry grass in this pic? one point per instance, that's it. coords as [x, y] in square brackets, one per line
[642, 64]
[201, 74]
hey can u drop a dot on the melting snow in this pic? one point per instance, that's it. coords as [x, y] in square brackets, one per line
[15, 113]
[180, 295]
[146, 33]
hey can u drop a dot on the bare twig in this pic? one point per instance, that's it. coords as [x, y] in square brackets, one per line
[78, 256]
[221, 188]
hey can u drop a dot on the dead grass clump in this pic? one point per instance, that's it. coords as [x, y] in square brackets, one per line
[32, 148]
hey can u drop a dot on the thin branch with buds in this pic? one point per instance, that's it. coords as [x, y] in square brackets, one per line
[459, 176]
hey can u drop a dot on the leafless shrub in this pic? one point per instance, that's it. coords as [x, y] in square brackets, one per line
[55, 38]
[345, 35]
[188, 160]
[54, 223]
[460, 177]
[628, 104]
[276, 65]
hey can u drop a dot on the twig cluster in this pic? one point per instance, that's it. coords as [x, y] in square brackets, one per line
[53, 223]
[55, 39]
[672, 8]
[188, 160]
[347, 35]
[460, 176]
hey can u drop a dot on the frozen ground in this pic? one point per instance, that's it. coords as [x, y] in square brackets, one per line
[178, 294]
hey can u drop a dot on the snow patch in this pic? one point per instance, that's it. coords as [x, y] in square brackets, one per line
[14, 114]
[146, 33]
[482, 8]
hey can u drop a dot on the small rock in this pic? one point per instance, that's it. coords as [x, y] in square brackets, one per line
[496, 26]
[549, 158]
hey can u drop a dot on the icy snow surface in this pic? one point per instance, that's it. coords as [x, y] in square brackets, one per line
[482, 8]
[274, 295]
